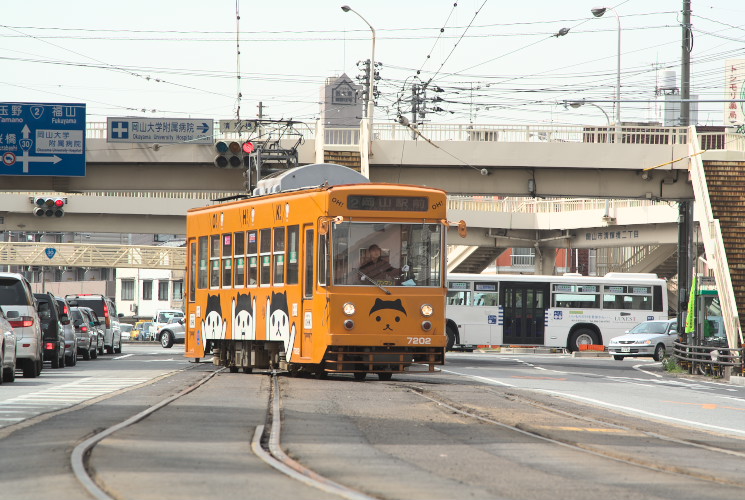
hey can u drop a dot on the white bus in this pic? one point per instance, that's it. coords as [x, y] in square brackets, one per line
[554, 311]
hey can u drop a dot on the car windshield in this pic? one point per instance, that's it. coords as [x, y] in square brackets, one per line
[388, 254]
[650, 327]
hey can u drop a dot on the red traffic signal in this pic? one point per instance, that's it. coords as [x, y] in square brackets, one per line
[248, 147]
[49, 207]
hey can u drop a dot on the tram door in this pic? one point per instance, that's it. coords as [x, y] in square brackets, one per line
[524, 306]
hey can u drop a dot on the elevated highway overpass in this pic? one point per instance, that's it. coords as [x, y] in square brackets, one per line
[529, 160]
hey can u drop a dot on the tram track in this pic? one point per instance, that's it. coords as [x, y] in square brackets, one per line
[265, 444]
[547, 435]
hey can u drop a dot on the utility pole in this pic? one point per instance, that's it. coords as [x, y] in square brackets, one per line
[685, 71]
[261, 110]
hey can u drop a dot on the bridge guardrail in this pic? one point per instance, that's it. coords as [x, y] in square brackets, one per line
[470, 132]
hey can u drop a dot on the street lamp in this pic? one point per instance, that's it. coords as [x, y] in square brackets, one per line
[578, 104]
[598, 12]
[365, 163]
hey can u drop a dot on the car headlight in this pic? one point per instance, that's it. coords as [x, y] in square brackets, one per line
[613, 342]
[645, 342]
[349, 309]
[427, 310]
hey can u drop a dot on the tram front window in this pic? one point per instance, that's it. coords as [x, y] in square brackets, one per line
[390, 254]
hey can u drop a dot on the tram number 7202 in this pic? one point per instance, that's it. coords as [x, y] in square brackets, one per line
[419, 340]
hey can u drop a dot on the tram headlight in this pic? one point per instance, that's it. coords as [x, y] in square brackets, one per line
[349, 309]
[427, 310]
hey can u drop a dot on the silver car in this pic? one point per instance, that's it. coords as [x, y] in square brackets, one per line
[172, 333]
[650, 338]
[7, 350]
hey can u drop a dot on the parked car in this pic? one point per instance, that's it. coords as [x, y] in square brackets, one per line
[143, 330]
[126, 331]
[51, 328]
[71, 339]
[172, 333]
[162, 317]
[649, 338]
[86, 334]
[97, 327]
[105, 310]
[7, 350]
[19, 304]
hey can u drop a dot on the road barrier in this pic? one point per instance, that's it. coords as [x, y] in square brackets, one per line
[709, 360]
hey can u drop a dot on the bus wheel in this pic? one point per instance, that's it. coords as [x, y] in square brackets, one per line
[360, 375]
[450, 332]
[583, 336]
[385, 376]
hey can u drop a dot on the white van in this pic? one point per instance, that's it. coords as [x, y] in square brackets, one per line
[19, 305]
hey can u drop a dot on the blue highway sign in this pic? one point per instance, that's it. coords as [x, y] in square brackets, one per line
[160, 130]
[42, 139]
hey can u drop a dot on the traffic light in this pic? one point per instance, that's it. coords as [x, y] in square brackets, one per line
[49, 207]
[229, 154]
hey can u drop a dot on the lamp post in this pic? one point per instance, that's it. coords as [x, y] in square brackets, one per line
[578, 104]
[598, 12]
[365, 159]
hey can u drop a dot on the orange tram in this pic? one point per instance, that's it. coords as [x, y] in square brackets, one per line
[319, 271]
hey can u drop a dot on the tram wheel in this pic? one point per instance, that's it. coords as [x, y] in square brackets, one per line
[385, 376]
[248, 369]
[233, 369]
[360, 375]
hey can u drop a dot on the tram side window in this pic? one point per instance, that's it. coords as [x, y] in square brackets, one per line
[309, 260]
[227, 260]
[203, 262]
[265, 256]
[293, 262]
[193, 271]
[458, 298]
[214, 261]
[278, 257]
[239, 268]
[323, 259]
[253, 258]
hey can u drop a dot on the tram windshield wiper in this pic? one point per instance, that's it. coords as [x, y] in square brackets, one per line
[368, 278]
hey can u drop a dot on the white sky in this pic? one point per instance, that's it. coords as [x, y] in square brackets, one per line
[178, 58]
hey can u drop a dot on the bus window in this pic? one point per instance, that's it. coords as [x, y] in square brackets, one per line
[490, 299]
[265, 256]
[458, 298]
[253, 259]
[628, 297]
[215, 261]
[203, 262]
[227, 260]
[293, 262]
[278, 257]
[239, 268]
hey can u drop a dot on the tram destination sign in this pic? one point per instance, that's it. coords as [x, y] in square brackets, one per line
[42, 139]
[388, 203]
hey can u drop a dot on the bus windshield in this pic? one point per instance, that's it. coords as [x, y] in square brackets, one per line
[388, 254]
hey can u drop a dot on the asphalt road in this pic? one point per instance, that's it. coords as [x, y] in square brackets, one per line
[488, 426]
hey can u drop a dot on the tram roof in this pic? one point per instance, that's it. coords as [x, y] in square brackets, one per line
[308, 176]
